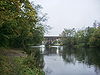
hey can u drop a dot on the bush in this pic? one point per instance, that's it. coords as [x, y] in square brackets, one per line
[17, 66]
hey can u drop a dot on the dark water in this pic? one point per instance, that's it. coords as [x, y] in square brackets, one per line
[67, 61]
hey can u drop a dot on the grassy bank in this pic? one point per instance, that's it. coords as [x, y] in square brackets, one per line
[15, 62]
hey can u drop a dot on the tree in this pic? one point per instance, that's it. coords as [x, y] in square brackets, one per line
[20, 24]
[82, 38]
[68, 37]
[95, 38]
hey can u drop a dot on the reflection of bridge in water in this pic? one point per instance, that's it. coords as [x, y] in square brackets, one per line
[49, 40]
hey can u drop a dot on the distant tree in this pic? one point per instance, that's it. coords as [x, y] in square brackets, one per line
[95, 38]
[68, 37]
[82, 38]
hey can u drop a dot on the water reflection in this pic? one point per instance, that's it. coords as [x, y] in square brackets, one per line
[87, 56]
[35, 52]
[68, 61]
[53, 50]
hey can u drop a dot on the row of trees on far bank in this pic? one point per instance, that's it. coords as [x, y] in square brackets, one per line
[88, 37]
[20, 24]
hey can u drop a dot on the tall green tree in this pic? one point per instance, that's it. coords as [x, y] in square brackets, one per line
[19, 23]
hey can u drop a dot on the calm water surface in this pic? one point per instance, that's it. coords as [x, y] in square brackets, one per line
[66, 61]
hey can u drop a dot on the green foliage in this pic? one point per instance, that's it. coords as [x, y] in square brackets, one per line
[95, 39]
[27, 66]
[89, 37]
[68, 38]
[20, 27]
[16, 66]
[19, 24]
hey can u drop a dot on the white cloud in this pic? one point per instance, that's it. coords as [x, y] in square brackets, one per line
[70, 13]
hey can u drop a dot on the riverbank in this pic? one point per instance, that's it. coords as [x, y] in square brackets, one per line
[17, 62]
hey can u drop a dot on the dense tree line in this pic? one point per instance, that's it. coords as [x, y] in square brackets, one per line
[20, 24]
[88, 37]
[20, 27]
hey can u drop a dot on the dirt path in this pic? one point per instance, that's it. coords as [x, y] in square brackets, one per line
[13, 52]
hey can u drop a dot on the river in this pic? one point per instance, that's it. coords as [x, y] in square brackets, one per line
[60, 60]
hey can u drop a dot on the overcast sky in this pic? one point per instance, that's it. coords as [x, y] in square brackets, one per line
[70, 13]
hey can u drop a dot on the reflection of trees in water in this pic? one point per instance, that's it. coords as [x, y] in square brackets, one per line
[53, 50]
[68, 55]
[50, 50]
[87, 56]
[90, 57]
[37, 57]
[97, 70]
